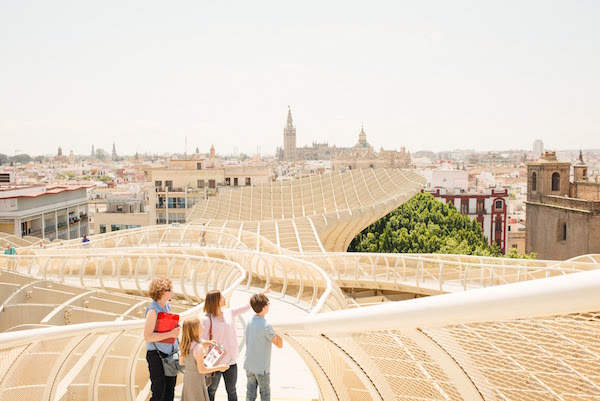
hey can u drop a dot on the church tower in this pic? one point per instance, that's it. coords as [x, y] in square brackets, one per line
[289, 139]
[114, 152]
[362, 143]
[547, 176]
[580, 169]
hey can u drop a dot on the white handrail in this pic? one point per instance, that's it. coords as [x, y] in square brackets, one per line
[19, 338]
[578, 293]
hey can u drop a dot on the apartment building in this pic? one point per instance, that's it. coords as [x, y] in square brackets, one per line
[185, 182]
[488, 207]
[53, 212]
[121, 211]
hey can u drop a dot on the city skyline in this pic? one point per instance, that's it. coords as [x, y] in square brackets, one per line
[438, 77]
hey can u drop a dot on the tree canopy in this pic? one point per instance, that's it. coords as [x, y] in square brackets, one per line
[426, 225]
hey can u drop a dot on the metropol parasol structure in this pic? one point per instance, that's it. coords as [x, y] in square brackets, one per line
[476, 328]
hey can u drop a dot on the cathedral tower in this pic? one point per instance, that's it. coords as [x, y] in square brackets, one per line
[289, 139]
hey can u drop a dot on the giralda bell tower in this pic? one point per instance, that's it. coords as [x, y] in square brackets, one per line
[289, 139]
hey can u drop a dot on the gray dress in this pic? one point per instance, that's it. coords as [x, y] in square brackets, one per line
[194, 383]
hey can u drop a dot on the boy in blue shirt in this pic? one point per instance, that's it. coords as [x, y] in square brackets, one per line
[259, 337]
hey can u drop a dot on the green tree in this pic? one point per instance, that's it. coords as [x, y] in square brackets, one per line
[22, 158]
[425, 225]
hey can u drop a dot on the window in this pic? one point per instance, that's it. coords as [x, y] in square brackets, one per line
[169, 185]
[534, 181]
[235, 182]
[212, 184]
[562, 231]
[480, 206]
[499, 204]
[176, 203]
[248, 181]
[499, 225]
[227, 181]
[198, 166]
[200, 183]
[464, 206]
[556, 182]
[102, 228]
[119, 208]
[158, 184]
[119, 227]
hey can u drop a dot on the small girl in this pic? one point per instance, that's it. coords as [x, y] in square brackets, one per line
[192, 356]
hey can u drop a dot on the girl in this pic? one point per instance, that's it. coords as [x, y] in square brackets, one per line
[192, 355]
[219, 325]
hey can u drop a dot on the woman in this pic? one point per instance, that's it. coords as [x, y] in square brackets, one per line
[218, 325]
[162, 387]
[192, 355]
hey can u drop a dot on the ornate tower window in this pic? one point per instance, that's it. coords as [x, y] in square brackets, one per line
[534, 181]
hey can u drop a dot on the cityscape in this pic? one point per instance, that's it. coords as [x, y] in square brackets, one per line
[412, 195]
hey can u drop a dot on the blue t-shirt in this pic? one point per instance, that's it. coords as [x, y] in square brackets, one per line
[258, 345]
[162, 347]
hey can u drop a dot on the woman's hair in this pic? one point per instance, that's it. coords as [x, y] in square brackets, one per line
[212, 303]
[190, 332]
[158, 286]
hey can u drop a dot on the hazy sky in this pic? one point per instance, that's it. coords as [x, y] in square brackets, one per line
[424, 74]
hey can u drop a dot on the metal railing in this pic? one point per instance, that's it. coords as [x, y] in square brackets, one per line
[95, 361]
[536, 340]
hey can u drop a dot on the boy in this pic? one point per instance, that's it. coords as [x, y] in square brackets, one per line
[259, 337]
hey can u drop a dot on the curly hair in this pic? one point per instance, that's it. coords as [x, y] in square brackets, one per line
[158, 286]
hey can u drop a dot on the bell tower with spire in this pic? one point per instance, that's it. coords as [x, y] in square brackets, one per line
[289, 139]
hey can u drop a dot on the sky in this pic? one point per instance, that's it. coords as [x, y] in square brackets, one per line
[427, 75]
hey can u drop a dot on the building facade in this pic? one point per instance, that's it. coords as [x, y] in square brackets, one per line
[185, 182]
[538, 148]
[563, 217]
[488, 208]
[363, 156]
[116, 212]
[53, 212]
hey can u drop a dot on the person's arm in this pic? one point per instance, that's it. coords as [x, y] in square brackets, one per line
[277, 341]
[150, 336]
[206, 343]
[205, 327]
[245, 308]
[199, 357]
[273, 337]
[240, 310]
